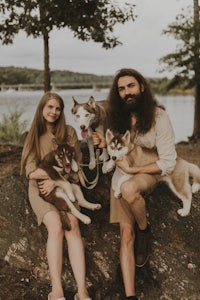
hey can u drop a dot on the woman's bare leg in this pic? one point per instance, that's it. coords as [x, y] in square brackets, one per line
[54, 251]
[77, 257]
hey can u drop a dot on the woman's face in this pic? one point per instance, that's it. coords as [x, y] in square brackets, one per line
[51, 111]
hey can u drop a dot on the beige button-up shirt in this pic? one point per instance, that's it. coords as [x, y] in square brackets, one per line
[160, 137]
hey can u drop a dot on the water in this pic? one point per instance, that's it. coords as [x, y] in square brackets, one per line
[179, 108]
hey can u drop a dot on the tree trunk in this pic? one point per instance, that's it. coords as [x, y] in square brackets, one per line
[45, 33]
[47, 76]
[196, 129]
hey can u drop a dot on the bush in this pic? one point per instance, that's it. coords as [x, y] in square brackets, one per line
[11, 128]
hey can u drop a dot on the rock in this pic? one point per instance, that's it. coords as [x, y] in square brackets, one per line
[172, 272]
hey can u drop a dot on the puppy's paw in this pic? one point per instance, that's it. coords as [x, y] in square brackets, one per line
[101, 157]
[94, 206]
[71, 198]
[92, 165]
[117, 195]
[182, 212]
[97, 206]
[86, 220]
[195, 187]
[106, 168]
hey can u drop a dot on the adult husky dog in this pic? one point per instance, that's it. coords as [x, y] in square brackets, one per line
[178, 181]
[91, 116]
[61, 166]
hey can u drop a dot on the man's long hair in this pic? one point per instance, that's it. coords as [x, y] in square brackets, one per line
[119, 118]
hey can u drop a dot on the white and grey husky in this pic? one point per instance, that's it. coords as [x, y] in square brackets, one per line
[178, 181]
[91, 116]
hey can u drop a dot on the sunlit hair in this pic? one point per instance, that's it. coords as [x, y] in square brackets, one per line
[38, 128]
[119, 119]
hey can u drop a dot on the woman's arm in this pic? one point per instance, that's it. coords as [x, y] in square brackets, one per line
[100, 141]
[38, 174]
[165, 144]
[46, 185]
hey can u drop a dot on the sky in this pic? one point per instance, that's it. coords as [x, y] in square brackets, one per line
[143, 44]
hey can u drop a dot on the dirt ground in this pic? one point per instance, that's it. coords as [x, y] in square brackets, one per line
[23, 285]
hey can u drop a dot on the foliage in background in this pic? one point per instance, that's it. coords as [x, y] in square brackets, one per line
[88, 20]
[11, 127]
[17, 75]
[185, 61]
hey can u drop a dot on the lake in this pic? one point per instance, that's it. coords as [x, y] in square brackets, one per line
[180, 108]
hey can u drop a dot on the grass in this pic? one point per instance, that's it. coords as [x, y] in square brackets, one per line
[11, 127]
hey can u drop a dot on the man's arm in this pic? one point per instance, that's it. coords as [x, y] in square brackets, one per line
[152, 168]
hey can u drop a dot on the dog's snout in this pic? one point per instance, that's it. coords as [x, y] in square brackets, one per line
[114, 157]
[82, 127]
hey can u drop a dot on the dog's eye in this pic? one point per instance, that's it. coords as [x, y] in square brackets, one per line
[78, 116]
[61, 155]
[86, 115]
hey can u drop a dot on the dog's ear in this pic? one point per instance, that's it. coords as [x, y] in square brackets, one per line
[74, 101]
[109, 136]
[127, 137]
[91, 102]
[74, 165]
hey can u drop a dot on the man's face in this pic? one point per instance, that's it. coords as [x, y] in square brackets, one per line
[130, 90]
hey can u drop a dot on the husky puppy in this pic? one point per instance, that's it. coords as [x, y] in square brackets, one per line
[178, 181]
[61, 167]
[90, 116]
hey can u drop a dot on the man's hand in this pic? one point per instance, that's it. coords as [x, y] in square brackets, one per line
[98, 140]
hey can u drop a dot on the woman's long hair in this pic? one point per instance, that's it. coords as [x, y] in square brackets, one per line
[119, 118]
[38, 128]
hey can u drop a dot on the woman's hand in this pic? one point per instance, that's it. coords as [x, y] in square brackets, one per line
[98, 140]
[46, 186]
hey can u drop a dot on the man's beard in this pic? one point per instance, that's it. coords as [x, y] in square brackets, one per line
[132, 105]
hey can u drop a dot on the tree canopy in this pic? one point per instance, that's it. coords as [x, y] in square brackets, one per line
[185, 60]
[87, 19]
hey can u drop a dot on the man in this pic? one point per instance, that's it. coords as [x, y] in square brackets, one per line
[133, 107]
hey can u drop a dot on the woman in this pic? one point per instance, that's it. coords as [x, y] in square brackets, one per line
[47, 127]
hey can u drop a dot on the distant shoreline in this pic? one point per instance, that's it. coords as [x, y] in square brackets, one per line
[19, 79]
[56, 87]
[70, 86]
